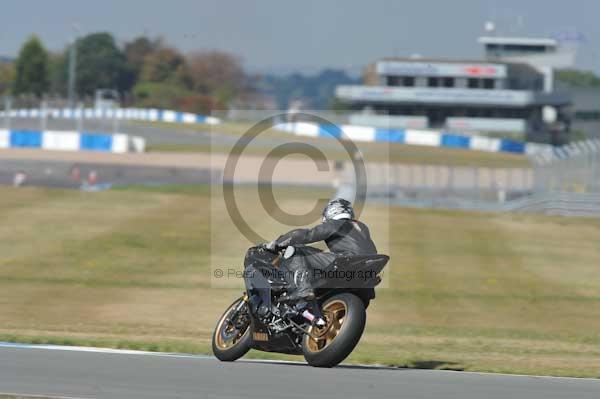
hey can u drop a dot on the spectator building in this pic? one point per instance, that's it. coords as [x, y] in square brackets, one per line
[509, 92]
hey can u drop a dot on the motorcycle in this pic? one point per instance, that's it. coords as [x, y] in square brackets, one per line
[325, 330]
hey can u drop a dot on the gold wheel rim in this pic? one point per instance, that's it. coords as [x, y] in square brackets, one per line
[227, 344]
[335, 314]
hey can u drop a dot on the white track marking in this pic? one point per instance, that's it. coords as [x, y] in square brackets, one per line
[38, 396]
[100, 350]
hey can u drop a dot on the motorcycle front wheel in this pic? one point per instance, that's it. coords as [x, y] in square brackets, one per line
[329, 345]
[231, 338]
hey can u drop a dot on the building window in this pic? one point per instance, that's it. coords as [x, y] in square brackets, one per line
[448, 82]
[587, 115]
[402, 81]
[433, 82]
[473, 83]
[488, 83]
[394, 81]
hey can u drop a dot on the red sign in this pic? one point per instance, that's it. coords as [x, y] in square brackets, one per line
[480, 71]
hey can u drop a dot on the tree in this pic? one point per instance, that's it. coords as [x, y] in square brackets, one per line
[32, 69]
[57, 72]
[162, 77]
[165, 65]
[137, 50]
[216, 73]
[576, 78]
[157, 95]
[101, 65]
[171, 96]
[7, 76]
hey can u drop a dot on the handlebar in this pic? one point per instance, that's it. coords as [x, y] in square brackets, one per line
[265, 246]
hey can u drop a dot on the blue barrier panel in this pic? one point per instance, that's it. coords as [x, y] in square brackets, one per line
[200, 118]
[95, 142]
[455, 141]
[330, 131]
[512, 146]
[179, 117]
[394, 135]
[25, 139]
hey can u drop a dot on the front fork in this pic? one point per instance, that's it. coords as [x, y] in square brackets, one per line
[233, 315]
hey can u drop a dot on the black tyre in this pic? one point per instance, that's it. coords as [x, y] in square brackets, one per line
[232, 338]
[346, 318]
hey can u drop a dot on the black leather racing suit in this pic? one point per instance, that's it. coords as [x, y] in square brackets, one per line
[343, 237]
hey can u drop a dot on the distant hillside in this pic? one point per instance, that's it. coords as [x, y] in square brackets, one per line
[315, 91]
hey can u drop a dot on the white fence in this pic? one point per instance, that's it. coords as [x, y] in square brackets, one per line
[140, 114]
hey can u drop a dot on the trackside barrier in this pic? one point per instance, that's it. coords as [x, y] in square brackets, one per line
[139, 114]
[419, 137]
[71, 141]
[563, 204]
[571, 168]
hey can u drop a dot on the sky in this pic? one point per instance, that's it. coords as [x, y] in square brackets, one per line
[307, 35]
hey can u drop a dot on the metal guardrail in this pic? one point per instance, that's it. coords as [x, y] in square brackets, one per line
[573, 168]
[438, 186]
[565, 181]
[563, 204]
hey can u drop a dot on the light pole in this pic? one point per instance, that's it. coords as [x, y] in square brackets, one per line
[73, 67]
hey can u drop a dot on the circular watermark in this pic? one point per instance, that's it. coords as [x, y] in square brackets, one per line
[267, 169]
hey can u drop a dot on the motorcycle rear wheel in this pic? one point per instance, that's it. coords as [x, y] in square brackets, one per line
[346, 317]
[228, 343]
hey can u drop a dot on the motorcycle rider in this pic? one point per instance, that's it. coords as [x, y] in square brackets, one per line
[341, 232]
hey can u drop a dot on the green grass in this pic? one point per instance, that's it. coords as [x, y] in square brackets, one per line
[375, 152]
[131, 268]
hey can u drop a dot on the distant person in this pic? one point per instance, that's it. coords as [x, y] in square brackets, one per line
[19, 179]
[92, 178]
[75, 173]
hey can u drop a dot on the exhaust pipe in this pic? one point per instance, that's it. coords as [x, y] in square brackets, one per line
[311, 317]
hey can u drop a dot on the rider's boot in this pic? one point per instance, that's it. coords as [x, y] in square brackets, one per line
[303, 289]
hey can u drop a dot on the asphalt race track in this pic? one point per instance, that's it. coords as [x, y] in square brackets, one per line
[95, 373]
[57, 174]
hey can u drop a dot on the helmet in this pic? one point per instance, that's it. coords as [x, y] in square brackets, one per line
[337, 209]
